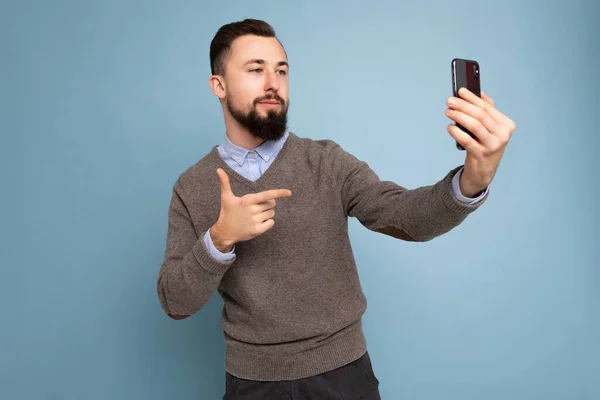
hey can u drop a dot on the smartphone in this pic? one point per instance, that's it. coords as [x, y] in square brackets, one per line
[465, 73]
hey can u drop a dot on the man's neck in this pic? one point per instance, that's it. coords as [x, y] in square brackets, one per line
[244, 140]
[241, 136]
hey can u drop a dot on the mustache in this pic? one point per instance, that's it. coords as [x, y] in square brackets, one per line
[275, 97]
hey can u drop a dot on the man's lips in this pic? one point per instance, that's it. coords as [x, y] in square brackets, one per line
[273, 102]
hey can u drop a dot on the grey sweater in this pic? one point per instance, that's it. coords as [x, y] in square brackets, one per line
[293, 302]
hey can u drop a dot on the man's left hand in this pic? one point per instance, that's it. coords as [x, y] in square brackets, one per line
[492, 131]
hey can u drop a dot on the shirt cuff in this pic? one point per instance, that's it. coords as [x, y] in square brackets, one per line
[459, 195]
[214, 252]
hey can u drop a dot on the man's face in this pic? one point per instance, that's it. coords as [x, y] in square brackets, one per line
[256, 77]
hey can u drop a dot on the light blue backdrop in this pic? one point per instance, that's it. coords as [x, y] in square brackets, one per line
[104, 103]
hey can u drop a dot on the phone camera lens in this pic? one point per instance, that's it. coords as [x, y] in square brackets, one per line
[476, 71]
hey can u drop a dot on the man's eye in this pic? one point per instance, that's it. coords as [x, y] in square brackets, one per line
[282, 72]
[256, 70]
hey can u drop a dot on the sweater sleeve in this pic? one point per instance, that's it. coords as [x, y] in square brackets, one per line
[417, 215]
[189, 274]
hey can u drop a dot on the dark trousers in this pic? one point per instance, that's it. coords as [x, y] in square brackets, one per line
[354, 381]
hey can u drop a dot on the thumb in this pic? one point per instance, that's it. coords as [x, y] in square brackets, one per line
[225, 185]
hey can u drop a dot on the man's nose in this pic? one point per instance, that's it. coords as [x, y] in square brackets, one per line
[271, 81]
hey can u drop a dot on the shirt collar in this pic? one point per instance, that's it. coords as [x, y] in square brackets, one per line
[265, 151]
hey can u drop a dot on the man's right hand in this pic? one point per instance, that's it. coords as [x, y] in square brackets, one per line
[243, 218]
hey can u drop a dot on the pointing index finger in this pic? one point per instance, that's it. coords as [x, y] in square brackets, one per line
[270, 194]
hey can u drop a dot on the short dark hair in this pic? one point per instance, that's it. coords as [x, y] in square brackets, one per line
[220, 46]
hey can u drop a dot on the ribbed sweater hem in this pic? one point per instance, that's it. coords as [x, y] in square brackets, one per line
[251, 365]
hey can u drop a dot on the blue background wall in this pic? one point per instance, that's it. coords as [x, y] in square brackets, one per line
[104, 103]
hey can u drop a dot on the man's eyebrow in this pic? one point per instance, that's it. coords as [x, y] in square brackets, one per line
[262, 62]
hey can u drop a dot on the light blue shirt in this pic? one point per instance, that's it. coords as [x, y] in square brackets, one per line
[251, 164]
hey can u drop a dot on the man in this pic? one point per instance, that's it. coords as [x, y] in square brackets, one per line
[292, 298]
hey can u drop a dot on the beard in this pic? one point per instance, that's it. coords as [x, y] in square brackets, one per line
[270, 127]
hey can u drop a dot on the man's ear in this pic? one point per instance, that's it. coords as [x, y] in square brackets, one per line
[217, 85]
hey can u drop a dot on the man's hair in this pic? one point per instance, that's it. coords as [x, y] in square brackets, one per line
[220, 46]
